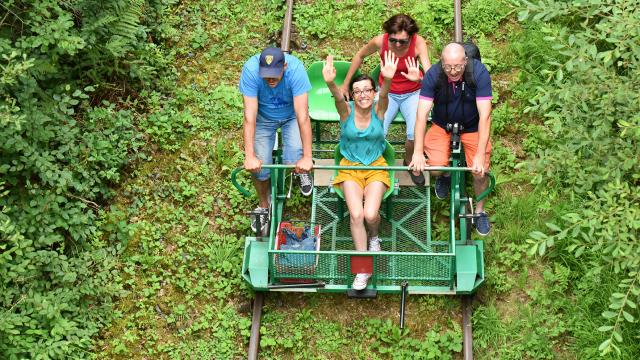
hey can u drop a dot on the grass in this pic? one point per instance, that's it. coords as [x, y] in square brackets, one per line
[181, 269]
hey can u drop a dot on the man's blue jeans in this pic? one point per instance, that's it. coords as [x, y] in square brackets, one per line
[265, 137]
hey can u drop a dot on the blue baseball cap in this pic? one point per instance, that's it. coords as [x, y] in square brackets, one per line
[271, 63]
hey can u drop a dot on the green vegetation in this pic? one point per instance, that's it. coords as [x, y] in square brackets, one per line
[120, 236]
[592, 159]
[71, 74]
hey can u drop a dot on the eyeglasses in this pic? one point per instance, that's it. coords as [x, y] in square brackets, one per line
[456, 67]
[362, 92]
[399, 41]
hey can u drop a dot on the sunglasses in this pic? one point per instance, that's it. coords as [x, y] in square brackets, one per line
[399, 41]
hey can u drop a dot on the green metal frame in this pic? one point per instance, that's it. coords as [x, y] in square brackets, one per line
[459, 269]
[452, 266]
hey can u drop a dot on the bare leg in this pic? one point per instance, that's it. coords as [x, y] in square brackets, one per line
[373, 194]
[353, 195]
[262, 188]
[480, 184]
[408, 154]
[408, 151]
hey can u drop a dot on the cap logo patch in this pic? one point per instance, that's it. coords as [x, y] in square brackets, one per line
[268, 59]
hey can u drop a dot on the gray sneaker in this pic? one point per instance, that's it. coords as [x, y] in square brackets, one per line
[306, 183]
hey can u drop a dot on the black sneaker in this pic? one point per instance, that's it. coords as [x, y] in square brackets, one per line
[306, 183]
[483, 226]
[417, 179]
[443, 184]
[261, 214]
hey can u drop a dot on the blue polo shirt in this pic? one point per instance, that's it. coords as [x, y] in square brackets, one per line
[460, 104]
[275, 103]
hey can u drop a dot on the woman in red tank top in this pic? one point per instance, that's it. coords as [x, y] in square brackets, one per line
[402, 39]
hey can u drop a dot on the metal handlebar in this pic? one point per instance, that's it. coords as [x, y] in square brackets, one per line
[234, 181]
[492, 185]
[245, 192]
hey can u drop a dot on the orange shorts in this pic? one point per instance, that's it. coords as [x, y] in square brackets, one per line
[437, 146]
[363, 177]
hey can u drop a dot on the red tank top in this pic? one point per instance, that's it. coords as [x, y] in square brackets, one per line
[399, 83]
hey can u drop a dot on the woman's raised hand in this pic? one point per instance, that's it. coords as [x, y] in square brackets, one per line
[413, 71]
[328, 71]
[388, 67]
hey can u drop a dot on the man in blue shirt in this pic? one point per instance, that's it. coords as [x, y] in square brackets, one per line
[456, 99]
[275, 90]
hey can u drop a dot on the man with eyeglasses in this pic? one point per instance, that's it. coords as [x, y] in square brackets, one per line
[275, 90]
[458, 94]
[402, 40]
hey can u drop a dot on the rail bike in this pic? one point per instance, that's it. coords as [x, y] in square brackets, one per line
[412, 260]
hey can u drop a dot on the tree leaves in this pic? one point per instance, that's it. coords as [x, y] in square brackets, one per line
[61, 150]
[593, 158]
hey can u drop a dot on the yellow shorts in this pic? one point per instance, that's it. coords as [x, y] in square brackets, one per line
[363, 177]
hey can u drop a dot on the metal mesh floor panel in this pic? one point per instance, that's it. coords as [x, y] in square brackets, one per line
[408, 252]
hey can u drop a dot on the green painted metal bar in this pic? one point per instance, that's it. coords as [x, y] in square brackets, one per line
[383, 289]
[234, 181]
[492, 185]
[390, 168]
[361, 253]
[484, 194]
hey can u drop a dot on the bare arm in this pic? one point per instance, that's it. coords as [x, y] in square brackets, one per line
[422, 51]
[371, 47]
[329, 74]
[251, 162]
[301, 107]
[484, 126]
[387, 69]
[383, 99]
[418, 160]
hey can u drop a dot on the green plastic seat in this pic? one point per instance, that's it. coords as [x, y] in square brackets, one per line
[389, 155]
[321, 104]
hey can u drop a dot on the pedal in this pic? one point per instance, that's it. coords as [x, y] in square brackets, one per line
[472, 215]
[362, 294]
[258, 214]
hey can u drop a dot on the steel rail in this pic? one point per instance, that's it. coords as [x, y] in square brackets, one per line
[258, 302]
[457, 20]
[467, 331]
[254, 341]
[286, 28]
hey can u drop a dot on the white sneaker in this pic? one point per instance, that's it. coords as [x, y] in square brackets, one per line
[360, 281]
[374, 244]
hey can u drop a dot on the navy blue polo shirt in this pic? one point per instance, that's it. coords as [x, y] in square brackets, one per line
[460, 104]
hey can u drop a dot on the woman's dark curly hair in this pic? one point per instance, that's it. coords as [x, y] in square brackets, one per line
[399, 23]
[360, 78]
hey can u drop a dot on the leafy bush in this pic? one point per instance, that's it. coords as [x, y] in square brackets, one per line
[482, 17]
[434, 17]
[591, 104]
[502, 116]
[64, 139]
[348, 18]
